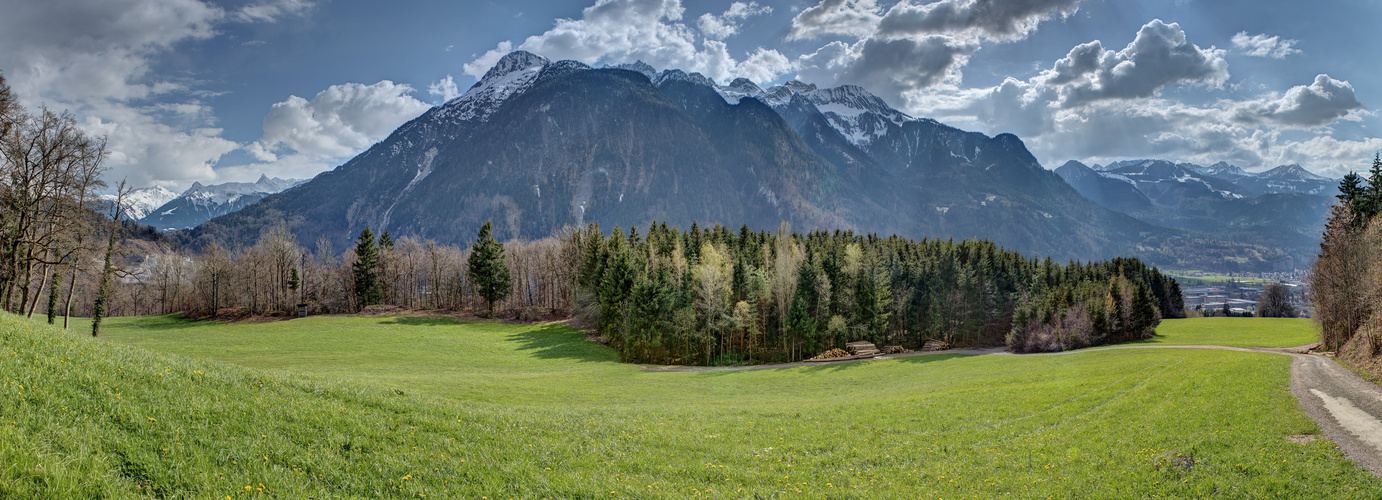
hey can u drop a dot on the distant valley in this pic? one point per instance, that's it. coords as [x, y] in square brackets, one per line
[1284, 207]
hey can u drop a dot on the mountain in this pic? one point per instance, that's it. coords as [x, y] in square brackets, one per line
[1283, 208]
[140, 202]
[537, 145]
[1113, 191]
[200, 203]
[1171, 184]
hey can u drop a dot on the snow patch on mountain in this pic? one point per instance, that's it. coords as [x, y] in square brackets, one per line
[227, 193]
[513, 74]
[854, 112]
[140, 202]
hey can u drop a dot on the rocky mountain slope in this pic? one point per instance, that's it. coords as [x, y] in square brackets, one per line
[537, 145]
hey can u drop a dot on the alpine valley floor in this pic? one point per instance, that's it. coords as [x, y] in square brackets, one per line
[371, 406]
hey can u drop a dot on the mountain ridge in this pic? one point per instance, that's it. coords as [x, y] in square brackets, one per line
[536, 145]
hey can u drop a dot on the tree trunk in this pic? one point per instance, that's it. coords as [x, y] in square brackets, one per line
[41, 286]
[54, 289]
[71, 292]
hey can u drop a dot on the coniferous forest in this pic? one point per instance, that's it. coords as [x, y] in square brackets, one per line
[717, 296]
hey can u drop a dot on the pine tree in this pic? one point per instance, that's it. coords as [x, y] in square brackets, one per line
[488, 270]
[294, 282]
[1372, 194]
[365, 271]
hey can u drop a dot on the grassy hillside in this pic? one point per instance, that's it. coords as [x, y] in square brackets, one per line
[402, 407]
[1237, 332]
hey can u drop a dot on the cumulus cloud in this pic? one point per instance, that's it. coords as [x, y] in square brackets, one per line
[147, 151]
[991, 19]
[856, 18]
[764, 65]
[1100, 105]
[1160, 55]
[727, 24]
[1304, 106]
[618, 31]
[911, 47]
[1261, 45]
[445, 88]
[337, 122]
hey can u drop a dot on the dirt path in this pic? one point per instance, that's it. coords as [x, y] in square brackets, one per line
[1347, 407]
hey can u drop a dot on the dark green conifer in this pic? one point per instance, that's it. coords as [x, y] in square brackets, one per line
[488, 270]
[365, 271]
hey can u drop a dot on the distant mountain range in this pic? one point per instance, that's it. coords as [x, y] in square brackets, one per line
[139, 202]
[1284, 207]
[536, 145]
[200, 203]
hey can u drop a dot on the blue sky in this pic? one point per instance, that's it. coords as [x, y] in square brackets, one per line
[215, 91]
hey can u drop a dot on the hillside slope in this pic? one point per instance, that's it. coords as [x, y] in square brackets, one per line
[543, 413]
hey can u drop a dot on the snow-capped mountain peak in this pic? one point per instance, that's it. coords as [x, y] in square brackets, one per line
[140, 202]
[639, 67]
[1292, 171]
[682, 76]
[857, 114]
[518, 60]
[514, 73]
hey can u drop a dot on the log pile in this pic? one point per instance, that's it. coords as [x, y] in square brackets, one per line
[863, 348]
[896, 349]
[831, 354]
[935, 345]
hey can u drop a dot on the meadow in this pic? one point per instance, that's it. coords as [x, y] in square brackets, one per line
[371, 406]
[1236, 332]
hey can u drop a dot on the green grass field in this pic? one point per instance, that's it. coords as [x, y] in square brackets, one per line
[385, 406]
[1236, 332]
[1186, 279]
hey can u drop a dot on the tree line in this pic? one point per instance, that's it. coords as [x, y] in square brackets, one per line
[1346, 282]
[716, 296]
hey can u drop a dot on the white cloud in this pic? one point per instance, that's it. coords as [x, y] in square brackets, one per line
[94, 58]
[1099, 105]
[338, 122]
[480, 65]
[445, 88]
[148, 152]
[1160, 55]
[620, 31]
[271, 10]
[1304, 106]
[727, 24]
[1261, 45]
[991, 19]
[891, 69]
[764, 65]
[856, 18]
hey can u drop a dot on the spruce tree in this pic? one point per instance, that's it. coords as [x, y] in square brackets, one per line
[488, 270]
[365, 271]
